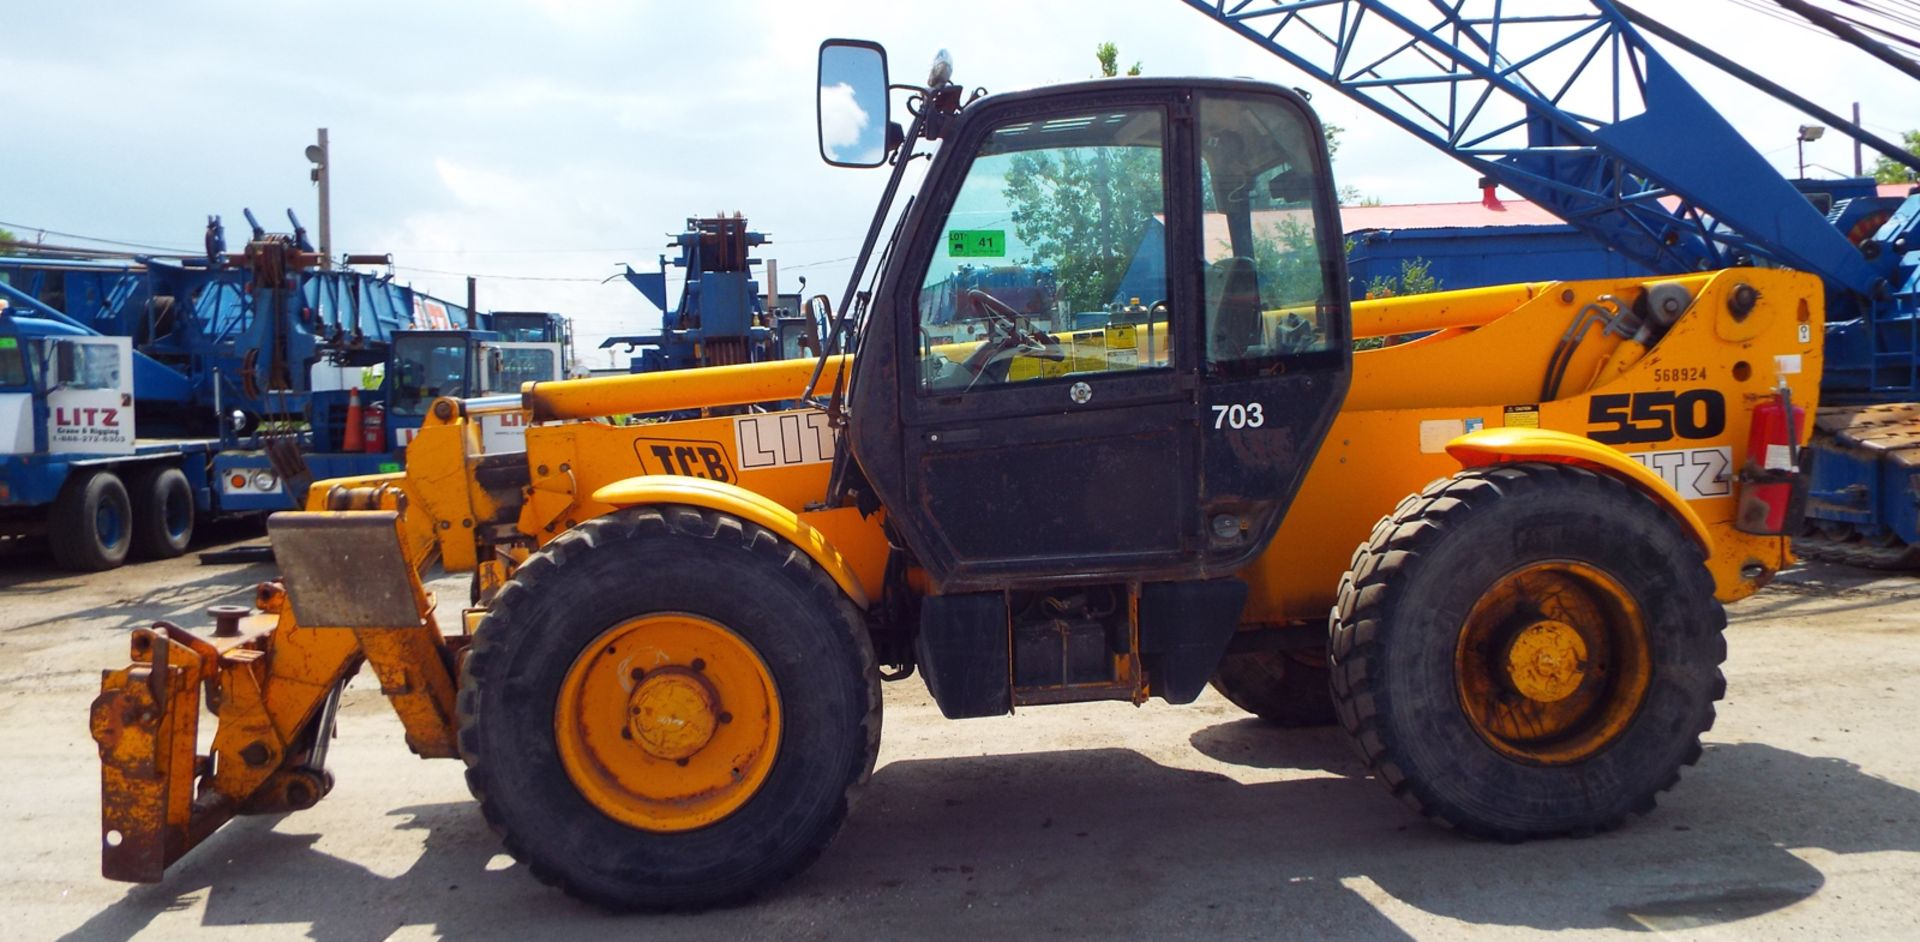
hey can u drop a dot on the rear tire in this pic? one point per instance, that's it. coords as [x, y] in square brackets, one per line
[549, 768]
[163, 512]
[1284, 688]
[1528, 650]
[91, 525]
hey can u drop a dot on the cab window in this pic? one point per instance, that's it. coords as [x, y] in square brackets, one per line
[93, 366]
[1265, 256]
[517, 366]
[13, 364]
[428, 370]
[1052, 261]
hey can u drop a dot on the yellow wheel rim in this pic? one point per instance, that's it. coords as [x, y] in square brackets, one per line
[1553, 663]
[668, 722]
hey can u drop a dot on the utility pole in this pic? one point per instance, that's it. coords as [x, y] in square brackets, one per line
[773, 289]
[317, 153]
[1859, 169]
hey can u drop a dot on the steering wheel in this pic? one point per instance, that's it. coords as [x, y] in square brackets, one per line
[1002, 315]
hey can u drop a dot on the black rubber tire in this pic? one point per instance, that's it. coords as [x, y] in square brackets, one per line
[1281, 687]
[162, 503]
[668, 559]
[75, 530]
[1402, 605]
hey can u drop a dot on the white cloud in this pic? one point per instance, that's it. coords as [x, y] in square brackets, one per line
[843, 123]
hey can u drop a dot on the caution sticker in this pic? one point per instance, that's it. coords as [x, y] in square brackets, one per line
[1527, 416]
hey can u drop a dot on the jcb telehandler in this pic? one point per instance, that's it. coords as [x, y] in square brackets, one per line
[1160, 466]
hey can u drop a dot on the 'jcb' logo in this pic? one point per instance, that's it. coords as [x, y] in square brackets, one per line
[695, 459]
[1644, 418]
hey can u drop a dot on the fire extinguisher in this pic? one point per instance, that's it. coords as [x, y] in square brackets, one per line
[1772, 489]
[374, 426]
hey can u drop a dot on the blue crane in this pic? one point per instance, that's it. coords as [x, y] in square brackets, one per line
[1569, 105]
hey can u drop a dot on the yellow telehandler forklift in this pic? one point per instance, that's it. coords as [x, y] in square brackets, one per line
[1104, 437]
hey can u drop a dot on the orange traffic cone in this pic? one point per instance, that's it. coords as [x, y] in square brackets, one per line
[356, 436]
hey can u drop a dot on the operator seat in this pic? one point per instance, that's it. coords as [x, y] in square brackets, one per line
[1233, 315]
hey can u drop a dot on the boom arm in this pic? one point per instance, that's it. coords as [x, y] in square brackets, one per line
[1573, 110]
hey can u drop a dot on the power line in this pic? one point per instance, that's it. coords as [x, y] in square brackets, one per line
[465, 274]
[21, 226]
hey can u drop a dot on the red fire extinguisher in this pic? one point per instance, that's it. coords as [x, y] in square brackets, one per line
[1772, 489]
[374, 428]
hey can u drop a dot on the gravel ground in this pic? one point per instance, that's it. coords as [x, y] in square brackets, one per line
[1098, 820]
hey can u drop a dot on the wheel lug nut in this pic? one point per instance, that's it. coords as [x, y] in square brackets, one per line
[638, 673]
[680, 762]
[626, 733]
[698, 664]
[725, 717]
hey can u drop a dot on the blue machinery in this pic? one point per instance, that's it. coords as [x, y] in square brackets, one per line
[232, 370]
[721, 318]
[1568, 105]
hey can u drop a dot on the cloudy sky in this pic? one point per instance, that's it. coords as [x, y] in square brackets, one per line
[541, 143]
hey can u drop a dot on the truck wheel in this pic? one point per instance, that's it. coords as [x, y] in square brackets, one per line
[668, 708]
[1528, 650]
[1285, 688]
[92, 522]
[162, 512]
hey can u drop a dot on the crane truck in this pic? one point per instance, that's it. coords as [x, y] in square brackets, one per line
[665, 686]
[141, 394]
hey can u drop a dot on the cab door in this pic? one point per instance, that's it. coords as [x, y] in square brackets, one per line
[1044, 408]
[505, 366]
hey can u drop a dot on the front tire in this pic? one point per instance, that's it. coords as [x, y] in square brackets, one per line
[668, 708]
[91, 526]
[1528, 650]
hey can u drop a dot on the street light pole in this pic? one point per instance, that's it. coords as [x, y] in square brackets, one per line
[317, 153]
[1808, 132]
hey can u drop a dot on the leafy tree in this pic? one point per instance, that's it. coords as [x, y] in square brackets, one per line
[1888, 170]
[6, 235]
[1286, 259]
[1415, 278]
[1082, 210]
[1109, 56]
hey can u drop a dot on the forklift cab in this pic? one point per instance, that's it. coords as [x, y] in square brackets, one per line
[1014, 448]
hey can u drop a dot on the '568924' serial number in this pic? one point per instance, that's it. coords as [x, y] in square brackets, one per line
[1679, 374]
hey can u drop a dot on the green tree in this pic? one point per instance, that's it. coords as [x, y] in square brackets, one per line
[1109, 56]
[1415, 277]
[6, 235]
[1888, 170]
[1286, 259]
[1085, 210]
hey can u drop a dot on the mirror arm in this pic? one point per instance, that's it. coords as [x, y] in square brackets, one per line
[832, 345]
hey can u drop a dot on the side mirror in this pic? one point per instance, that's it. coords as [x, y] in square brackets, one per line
[852, 111]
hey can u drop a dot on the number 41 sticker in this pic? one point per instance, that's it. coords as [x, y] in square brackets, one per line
[1239, 415]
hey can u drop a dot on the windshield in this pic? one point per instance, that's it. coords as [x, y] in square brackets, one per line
[529, 328]
[427, 368]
